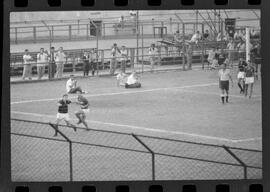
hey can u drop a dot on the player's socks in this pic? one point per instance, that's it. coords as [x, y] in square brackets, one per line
[227, 99]
[222, 99]
[241, 89]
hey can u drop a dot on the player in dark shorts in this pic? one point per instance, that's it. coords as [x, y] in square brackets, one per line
[224, 77]
[81, 114]
[62, 114]
[241, 74]
[249, 78]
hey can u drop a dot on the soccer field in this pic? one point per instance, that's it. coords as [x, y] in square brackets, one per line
[180, 105]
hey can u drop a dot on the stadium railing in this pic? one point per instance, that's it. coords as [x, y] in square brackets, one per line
[100, 154]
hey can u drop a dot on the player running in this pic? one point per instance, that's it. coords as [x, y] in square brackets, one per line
[224, 77]
[249, 78]
[62, 114]
[81, 114]
[241, 75]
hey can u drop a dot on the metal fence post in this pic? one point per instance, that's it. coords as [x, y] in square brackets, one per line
[237, 159]
[70, 150]
[34, 34]
[152, 153]
[69, 32]
[16, 35]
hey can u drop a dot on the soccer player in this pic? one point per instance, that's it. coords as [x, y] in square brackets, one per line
[132, 81]
[224, 77]
[62, 114]
[249, 78]
[121, 79]
[81, 114]
[72, 87]
[241, 75]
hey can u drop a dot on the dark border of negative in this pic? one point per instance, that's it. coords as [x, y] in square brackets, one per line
[41, 5]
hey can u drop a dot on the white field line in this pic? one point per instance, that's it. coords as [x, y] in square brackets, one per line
[148, 129]
[117, 93]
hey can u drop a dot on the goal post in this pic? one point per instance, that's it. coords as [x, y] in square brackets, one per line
[247, 44]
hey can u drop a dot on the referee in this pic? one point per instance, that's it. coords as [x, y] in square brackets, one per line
[224, 77]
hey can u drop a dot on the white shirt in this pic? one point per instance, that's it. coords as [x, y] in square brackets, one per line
[60, 57]
[224, 75]
[26, 59]
[114, 52]
[153, 51]
[42, 59]
[70, 84]
[131, 80]
[195, 37]
[123, 54]
[211, 55]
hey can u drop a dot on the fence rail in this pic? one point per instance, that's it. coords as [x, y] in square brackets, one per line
[89, 155]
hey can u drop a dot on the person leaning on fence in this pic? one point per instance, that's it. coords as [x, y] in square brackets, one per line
[86, 64]
[42, 62]
[27, 67]
[153, 54]
[71, 86]
[133, 81]
[114, 51]
[60, 59]
[124, 58]
[189, 54]
[196, 37]
[52, 67]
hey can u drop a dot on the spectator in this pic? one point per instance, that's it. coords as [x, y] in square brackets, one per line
[72, 87]
[219, 38]
[241, 49]
[196, 37]
[52, 66]
[177, 37]
[42, 60]
[153, 53]
[211, 57]
[122, 21]
[132, 81]
[230, 47]
[27, 67]
[113, 62]
[86, 64]
[206, 35]
[93, 59]
[60, 59]
[124, 58]
[189, 56]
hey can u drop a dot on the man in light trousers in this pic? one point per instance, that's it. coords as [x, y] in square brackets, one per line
[60, 59]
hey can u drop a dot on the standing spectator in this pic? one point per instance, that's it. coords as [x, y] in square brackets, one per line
[249, 79]
[189, 56]
[94, 60]
[122, 21]
[124, 58]
[211, 57]
[113, 62]
[52, 66]
[42, 60]
[60, 59]
[86, 64]
[196, 37]
[177, 37]
[241, 49]
[27, 68]
[206, 35]
[230, 48]
[153, 53]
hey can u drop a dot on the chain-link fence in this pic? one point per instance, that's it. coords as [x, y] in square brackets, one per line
[109, 155]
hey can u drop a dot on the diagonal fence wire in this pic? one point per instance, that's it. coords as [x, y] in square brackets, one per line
[109, 155]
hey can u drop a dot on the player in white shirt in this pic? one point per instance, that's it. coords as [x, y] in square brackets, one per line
[121, 79]
[71, 86]
[132, 81]
[27, 67]
[224, 77]
[42, 61]
[60, 59]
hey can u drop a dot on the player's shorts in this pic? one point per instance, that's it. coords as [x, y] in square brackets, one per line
[241, 75]
[62, 116]
[86, 110]
[224, 85]
[249, 80]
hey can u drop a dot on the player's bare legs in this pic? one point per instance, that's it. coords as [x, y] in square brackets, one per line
[71, 125]
[81, 116]
[251, 90]
[55, 126]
